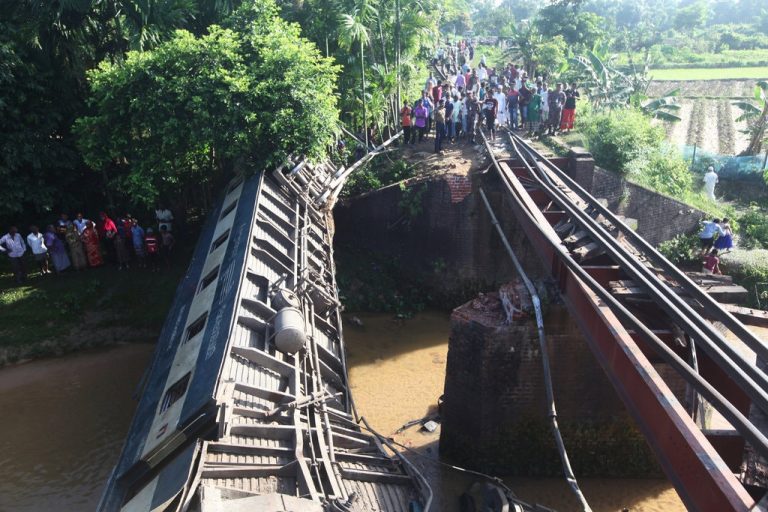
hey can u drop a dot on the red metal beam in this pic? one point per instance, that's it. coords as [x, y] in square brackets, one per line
[701, 477]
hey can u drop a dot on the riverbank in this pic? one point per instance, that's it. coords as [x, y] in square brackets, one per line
[54, 314]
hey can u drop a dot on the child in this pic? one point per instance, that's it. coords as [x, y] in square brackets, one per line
[712, 263]
[166, 244]
[152, 248]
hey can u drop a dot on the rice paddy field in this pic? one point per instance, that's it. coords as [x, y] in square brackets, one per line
[756, 72]
[708, 116]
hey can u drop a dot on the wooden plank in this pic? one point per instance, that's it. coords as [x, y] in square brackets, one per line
[249, 449]
[282, 432]
[749, 316]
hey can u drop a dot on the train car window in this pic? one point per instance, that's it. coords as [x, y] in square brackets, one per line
[217, 243]
[208, 279]
[175, 392]
[195, 327]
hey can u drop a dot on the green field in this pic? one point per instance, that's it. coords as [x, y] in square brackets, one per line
[709, 73]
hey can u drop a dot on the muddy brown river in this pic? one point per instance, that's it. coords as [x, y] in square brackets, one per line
[64, 421]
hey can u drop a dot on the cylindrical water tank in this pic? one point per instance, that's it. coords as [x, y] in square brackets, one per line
[285, 298]
[290, 334]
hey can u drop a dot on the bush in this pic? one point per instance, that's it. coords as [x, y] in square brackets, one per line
[617, 137]
[661, 169]
[748, 269]
[376, 175]
[683, 250]
[753, 229]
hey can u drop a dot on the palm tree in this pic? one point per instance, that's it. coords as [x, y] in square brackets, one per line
[353, 30]
[756, 116]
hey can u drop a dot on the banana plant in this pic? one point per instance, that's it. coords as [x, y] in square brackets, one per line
[755, 113]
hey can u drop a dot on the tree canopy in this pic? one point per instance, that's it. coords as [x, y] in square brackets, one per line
[184, 112]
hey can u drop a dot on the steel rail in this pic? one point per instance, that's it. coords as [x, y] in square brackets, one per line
[721, 404]
[749, 378]
[690, 461]
[712, 307]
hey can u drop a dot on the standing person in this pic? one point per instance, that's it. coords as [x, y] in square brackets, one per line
[449, 126]
[152, 247]
[473, 112]
[58, 250]
[121, 252]
[164, 217]
[724, 242]
[80, 223]
[420, 113]
[501, 102]
[460, 82]
[13, 245]
[63, 221]
[167, 242]
[525, 98]
[712, 263]
[36, 243]
[556, 100]
[439, 126]
[76, 251]
[543, 92]
[707, 234]
[107, 233]
[491, 110]
[710, 180]
[426, 102]
[569, 109]
[513, 104]
[405, 122]
[456, 117]
[482, 73]
[534, 112]
[137, 236]
[90, 238]
[430, 83]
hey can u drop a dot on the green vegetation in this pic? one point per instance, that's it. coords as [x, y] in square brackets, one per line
[56, 314]
[253, 82]
[709, 73]
[377, 174]
[748, 268]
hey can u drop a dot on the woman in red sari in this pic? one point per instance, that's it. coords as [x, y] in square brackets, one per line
[90, 239]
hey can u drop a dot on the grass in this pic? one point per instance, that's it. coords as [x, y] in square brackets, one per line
[48, 315]
[756, 72]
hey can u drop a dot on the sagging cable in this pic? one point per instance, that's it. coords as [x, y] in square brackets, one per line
[552, 411]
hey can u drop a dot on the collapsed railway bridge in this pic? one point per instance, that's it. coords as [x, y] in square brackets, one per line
[246, 405]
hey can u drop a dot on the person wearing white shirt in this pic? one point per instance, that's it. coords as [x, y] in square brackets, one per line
[13, 245]
[482, 73]
[501, 117]
[80, 223]
[164, 218]
[36, 243]
[710, 180]
[544, 95]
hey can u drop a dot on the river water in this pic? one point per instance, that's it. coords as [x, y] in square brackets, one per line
[64, 421]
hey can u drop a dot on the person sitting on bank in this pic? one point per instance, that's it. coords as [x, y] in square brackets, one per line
[712, 263]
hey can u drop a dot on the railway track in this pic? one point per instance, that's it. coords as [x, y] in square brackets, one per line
[588, 251]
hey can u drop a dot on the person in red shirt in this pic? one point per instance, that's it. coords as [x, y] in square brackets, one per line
[712, 263]
[405, 123]
[152, 246]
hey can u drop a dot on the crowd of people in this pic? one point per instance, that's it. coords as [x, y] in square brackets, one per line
[471, 97]
[715, 237]
[82, 243]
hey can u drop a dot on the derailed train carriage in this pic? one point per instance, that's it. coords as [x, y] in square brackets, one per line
[246, 404]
